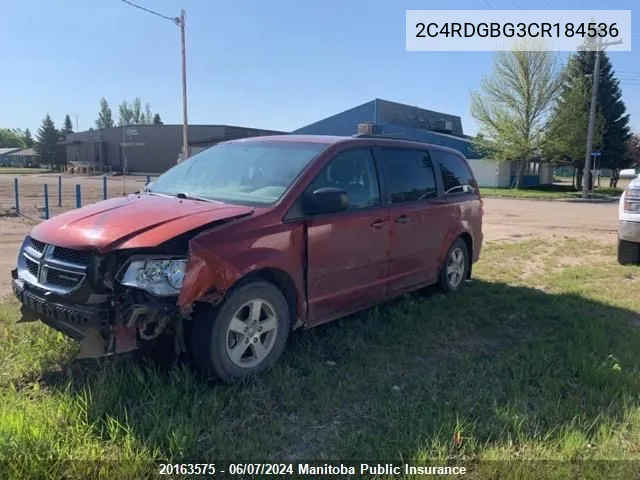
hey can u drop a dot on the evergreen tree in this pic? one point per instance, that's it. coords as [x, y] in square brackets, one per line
[68, 125]
[47, 144]
[28, 139]
[157, 120]
[105, 118]
[566, 140]
[616, 131]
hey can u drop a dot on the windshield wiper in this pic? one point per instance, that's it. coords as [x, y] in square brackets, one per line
[188, 196]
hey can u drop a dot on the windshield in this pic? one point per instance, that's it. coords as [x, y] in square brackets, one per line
[250, 173]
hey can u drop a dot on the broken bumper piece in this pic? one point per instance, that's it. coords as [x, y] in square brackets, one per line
[87, 324]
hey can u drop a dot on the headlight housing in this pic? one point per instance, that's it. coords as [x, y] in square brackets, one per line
[161, 277]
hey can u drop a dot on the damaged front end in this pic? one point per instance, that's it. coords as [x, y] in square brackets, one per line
[110, 303]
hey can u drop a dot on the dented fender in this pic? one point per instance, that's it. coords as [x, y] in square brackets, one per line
[206, 273]
[215, 265]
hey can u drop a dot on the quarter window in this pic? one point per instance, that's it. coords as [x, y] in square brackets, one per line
[410, 175]
[456, 175]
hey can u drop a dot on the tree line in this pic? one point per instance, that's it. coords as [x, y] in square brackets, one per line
[49, 142]
[129, 114]
[534, 107]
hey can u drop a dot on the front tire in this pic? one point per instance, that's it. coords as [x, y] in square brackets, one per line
[628, 252]
[455, 268]
[246, 336]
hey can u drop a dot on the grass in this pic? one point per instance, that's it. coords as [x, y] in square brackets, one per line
[536, 360]
[547, 192]
[22, 171]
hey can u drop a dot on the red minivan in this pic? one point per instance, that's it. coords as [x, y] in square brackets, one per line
[235, 247]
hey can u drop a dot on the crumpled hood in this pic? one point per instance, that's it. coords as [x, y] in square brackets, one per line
[132, 221]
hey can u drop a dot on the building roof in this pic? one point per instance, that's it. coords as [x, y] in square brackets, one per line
[6, 151]
[27, 152]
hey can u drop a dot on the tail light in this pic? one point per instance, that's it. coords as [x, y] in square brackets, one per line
[632, 200]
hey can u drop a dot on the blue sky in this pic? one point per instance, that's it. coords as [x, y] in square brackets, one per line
[278, 64]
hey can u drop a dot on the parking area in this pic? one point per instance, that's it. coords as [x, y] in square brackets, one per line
[505, 219]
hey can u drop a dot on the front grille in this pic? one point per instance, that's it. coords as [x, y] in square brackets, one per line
[58, 269]
[79, 257]
[32, 267]
[37, 245]
[64, 279]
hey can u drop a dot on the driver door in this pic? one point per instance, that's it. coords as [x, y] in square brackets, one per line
[348, 252]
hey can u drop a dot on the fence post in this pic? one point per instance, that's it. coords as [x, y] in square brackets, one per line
[17, 194]
[59, 190]
[46, 201]
[104, 187]
[78, 196]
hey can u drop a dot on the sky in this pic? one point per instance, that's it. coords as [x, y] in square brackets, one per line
[277, 64]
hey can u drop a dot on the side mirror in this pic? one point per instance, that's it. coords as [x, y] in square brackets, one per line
[326, 200]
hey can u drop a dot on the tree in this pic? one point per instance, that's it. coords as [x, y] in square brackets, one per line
[48, 145]
[68, 125]
[566, 140]
[611, 134]
[513, 106]
[11, 138]
[132, 113]
[126, 114]
[105, 118]
[633, 150]
[28, 139]
[157, 120]
[616, 131]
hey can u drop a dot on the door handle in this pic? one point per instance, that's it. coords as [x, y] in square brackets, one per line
[379, 224]
[402, 219]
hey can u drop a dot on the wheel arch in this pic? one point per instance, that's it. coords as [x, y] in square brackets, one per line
[468, 240]
[281, 280]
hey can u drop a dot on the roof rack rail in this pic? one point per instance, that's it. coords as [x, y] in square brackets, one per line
[390, 137]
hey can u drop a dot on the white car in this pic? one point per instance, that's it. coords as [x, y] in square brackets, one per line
[629, 224]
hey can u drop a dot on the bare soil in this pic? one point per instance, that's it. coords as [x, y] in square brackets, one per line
[504, 219]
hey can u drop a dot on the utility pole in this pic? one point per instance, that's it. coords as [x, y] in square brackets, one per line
[185, 126]
[586, 177]
[179, 21]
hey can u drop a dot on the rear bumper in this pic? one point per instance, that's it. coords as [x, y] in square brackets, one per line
[629, 231]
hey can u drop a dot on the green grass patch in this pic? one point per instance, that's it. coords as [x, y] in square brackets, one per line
[547, 192]
[536, 360]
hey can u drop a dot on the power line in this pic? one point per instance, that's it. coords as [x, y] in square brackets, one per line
[172, 19]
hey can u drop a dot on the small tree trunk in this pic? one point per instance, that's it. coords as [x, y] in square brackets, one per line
[520, 169]
[579, 178]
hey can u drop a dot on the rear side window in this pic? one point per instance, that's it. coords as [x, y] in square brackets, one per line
[410, 175]
[456, 175]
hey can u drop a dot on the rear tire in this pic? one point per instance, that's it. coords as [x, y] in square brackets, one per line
[628, 252]
[455, 269]
[246, 335]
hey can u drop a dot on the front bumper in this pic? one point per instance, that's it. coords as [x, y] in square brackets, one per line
[629, 231]
[73, 320]
[91, 325]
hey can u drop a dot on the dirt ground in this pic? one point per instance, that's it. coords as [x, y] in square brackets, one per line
[504, 219]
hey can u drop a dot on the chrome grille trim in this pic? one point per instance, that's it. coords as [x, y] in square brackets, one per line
[68, 275]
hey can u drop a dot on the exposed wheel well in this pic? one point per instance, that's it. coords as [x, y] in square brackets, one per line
[280, 279]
